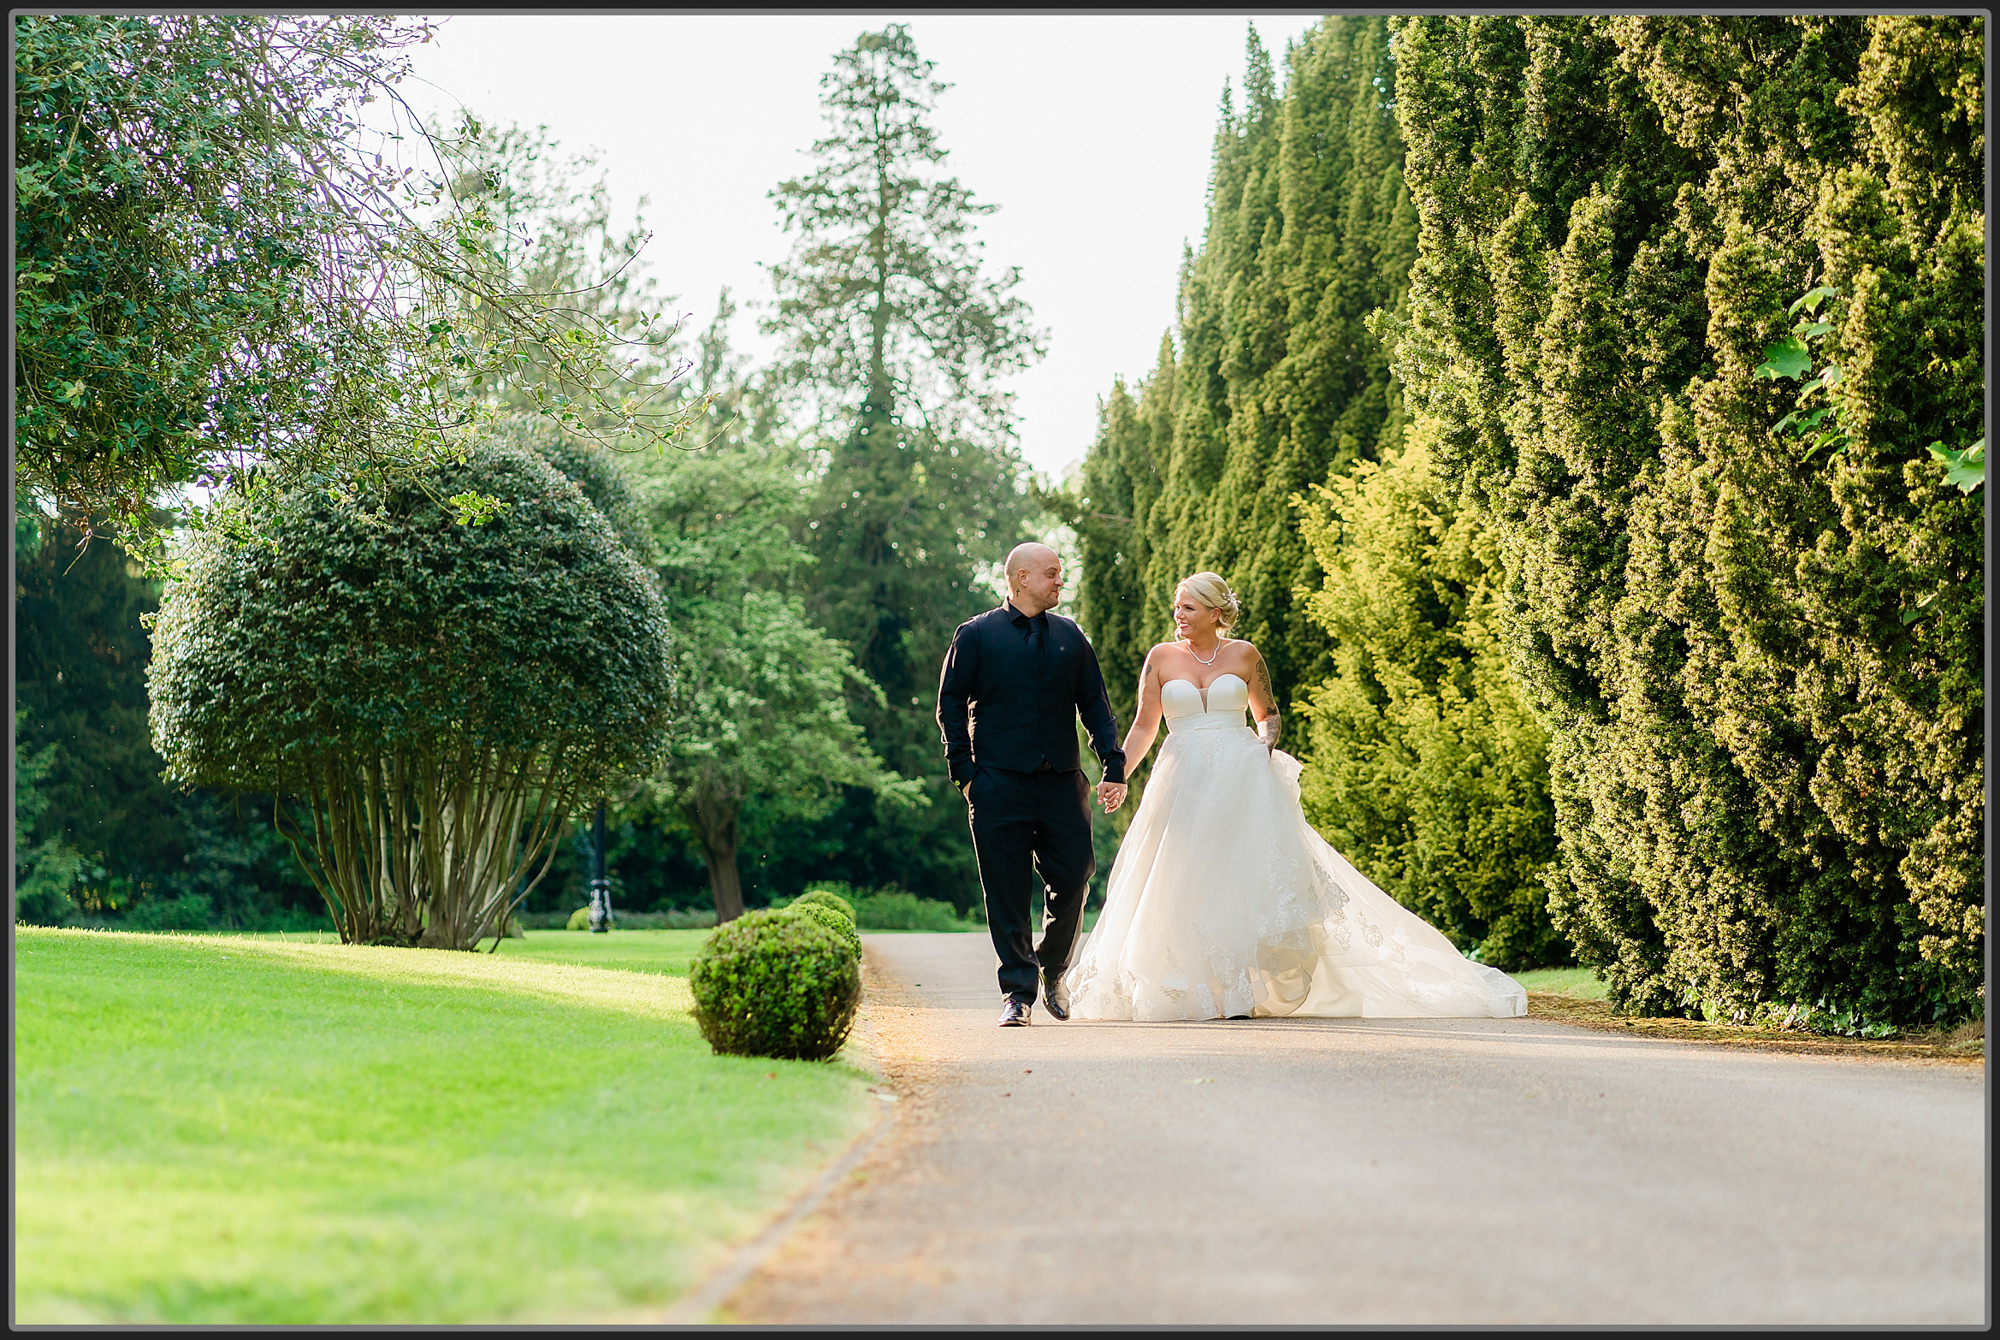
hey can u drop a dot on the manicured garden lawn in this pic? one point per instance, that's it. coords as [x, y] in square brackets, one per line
[236, 1129]
[1579, 983]
[633, 951]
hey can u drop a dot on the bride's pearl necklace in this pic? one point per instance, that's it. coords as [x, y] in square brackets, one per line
[1211, 656]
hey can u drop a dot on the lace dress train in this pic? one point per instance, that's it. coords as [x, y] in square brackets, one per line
[1225, 902]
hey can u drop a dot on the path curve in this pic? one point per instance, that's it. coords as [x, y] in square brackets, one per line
[1370, 1172]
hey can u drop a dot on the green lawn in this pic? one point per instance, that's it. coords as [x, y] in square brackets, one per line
[1580, 983]
[632, 951]
[237, 1129]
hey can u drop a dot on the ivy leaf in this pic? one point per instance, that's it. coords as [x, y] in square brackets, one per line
[1812, 299]
[1966, 469]
[1789, 357]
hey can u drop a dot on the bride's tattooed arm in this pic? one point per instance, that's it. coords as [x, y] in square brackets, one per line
[1264, 703]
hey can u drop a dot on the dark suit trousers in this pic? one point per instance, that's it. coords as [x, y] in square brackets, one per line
[1027, 825]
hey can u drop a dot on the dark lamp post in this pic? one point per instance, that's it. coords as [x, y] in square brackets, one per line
[600, 887]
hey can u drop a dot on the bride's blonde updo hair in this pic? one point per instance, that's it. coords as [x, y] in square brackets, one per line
[1211, 592]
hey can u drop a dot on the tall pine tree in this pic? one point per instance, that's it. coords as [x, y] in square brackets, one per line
[896, 339]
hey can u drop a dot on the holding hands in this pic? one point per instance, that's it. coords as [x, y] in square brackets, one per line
[1110, 795]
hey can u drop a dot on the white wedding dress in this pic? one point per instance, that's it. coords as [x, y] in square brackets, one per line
[1224, 902]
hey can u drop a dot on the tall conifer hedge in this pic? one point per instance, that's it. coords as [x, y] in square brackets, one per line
[1275, 380]
[1741, 598]
[1761, 666]
[1427, 769]
[1423, 764]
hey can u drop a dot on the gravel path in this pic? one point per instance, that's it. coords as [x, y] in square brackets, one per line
[1340, 1171]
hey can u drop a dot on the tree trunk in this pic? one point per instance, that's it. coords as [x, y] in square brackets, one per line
[714, 823]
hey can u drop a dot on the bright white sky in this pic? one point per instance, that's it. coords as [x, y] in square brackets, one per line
[1092, 134]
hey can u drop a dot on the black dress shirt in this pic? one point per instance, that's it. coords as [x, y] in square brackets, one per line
[1011, 692]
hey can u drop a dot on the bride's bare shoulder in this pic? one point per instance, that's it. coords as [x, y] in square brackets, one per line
[1243, 647]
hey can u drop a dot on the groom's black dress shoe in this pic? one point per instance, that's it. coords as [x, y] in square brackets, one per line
[1055, 995]
[1016, 1014]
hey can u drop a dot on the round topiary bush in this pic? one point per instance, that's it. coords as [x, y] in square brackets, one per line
[430, 699]
[829, 916]
[828, 898]
[776, 984]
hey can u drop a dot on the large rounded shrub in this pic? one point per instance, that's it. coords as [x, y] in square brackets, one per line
[440, 695]
[776, 983]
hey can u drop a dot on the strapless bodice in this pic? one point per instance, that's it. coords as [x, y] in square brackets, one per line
[1186, 709]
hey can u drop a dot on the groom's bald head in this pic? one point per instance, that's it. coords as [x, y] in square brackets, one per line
[1029, 555]
[1034, 577]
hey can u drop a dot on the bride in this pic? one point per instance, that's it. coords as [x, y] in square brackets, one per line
[1224, 902]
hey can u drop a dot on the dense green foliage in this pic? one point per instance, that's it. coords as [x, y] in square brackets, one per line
[889, 909]
[226, 1130]
[222, 264]
[1372, 602]
[777, 983]
[1761, 669]
[600, 473]
[894, 342]
[1428, 770]
[166, 242]
[761, 693]
[1274, 379]
[99, 836]
[442, 694]
[899, 910]
[1692, 302]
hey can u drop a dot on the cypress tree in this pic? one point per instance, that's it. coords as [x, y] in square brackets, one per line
[1428, 770]
[1761, 667]
[1271, 381]
[1275, 381]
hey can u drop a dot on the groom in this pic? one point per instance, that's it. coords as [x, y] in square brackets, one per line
[1015, 681]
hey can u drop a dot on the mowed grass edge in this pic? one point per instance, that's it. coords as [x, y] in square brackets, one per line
[224, 1129]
